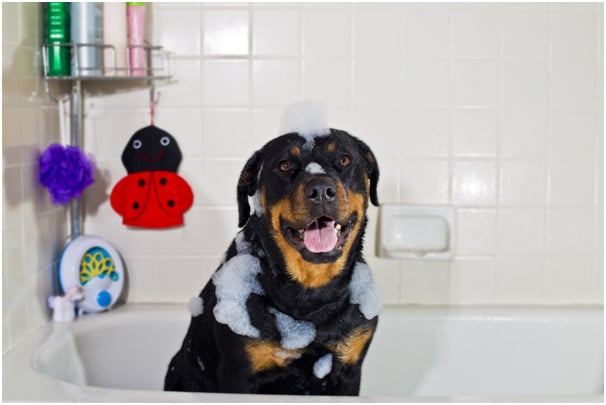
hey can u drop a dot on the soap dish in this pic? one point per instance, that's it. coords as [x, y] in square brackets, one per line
[416, 232]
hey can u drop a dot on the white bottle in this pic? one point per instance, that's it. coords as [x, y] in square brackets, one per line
[115, 34]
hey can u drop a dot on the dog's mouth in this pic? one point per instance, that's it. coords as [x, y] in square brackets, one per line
[324, 235]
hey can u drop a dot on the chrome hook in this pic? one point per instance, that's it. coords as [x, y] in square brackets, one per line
[154, 98]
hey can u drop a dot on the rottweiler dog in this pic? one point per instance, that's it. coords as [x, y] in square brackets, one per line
[293, 308]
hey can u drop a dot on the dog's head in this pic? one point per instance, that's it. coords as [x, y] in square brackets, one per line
[312, 194]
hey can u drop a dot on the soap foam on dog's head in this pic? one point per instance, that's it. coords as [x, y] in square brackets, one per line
[308, 119]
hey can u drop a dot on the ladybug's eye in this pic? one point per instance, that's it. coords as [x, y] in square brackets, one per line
[137, 144]
[344, 161]
[164, 141]
[286, 166]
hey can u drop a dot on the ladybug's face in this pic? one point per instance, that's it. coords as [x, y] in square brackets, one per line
[151, 148]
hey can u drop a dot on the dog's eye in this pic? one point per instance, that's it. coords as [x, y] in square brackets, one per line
[286, 166]
[344, 161]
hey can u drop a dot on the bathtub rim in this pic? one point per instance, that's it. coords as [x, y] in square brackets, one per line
[21, 361]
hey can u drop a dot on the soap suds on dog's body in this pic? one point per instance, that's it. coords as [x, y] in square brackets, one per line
[323, 366]
[295, 334]
[242, 245]
[196, 306]
[364, 292]
[234, 282]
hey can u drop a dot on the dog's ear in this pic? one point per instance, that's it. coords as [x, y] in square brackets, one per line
[372, 170]
[247, 186]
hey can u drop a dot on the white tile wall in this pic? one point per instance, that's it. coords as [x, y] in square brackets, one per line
[276, 32]
[224, 31]
[496, 109]
[33, 230]
[492, 108]
[327, 31]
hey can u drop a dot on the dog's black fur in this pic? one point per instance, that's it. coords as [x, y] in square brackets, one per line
[288, 307]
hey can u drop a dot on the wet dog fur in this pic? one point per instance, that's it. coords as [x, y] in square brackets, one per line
[292, 308]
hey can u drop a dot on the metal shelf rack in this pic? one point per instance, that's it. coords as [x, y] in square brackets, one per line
[158, 69]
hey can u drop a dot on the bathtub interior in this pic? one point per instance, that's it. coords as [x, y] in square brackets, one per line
[417, 352]
[488, 352]
[120, 353]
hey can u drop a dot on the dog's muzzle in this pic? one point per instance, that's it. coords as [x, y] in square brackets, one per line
[323, 232]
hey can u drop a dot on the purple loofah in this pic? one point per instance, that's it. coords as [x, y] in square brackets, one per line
[66, 172]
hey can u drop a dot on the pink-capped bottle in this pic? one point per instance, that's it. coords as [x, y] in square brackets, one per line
[136, 33]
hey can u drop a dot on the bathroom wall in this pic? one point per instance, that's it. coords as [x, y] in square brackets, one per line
[496, 109]
[33, 230]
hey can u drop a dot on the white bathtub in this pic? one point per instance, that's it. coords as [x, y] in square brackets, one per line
[419, 354]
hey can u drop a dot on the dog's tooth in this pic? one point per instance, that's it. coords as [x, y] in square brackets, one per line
[338, 227]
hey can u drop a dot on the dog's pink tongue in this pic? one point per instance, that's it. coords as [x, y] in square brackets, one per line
[321, 237]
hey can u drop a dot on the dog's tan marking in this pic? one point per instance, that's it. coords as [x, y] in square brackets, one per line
[264, 355]
[350, 349]
[331, 147]
[295, 151]
[351, 202]
[314, 275]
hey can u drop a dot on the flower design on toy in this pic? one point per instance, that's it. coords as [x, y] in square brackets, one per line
[97, 270]
[97, 263]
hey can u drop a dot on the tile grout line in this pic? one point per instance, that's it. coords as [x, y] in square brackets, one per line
[548, 151]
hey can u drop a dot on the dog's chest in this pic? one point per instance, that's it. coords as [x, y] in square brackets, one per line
[244, 305]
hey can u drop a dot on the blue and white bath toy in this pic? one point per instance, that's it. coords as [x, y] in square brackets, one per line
[95, 266]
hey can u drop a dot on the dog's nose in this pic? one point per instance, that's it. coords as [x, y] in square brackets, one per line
[321, 189]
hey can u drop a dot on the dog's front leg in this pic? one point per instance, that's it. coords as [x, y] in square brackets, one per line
[346, 380]
[234, 377]
[349, 355]
[234, 374]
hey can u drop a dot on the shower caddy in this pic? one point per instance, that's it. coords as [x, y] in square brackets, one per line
[104, 293]
[77, 101]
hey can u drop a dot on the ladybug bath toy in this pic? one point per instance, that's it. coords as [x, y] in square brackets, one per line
[152, 195]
